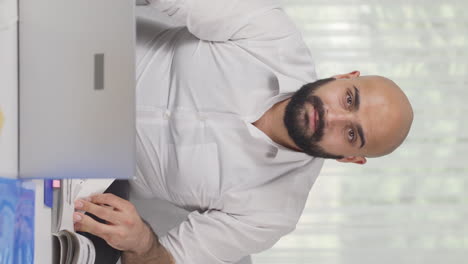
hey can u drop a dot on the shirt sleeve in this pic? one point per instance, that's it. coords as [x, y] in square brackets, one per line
[215, 20]
[217, 237]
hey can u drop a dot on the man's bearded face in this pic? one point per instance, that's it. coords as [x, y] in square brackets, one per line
[304, 120]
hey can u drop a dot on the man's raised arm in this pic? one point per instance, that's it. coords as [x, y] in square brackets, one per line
[214, 20]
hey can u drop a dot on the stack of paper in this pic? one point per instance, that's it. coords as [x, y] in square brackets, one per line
[70, 247]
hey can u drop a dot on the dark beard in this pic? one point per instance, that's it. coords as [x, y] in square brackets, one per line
[297, 129]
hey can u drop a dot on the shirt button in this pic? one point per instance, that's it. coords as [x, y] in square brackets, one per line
[201, 117]
[272, 152]
[167, 115]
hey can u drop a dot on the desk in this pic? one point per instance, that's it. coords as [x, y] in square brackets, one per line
[160, 214]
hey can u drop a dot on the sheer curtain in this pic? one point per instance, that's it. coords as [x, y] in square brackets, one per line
[411, 206]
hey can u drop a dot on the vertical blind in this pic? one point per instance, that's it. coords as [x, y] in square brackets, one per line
[410, 206]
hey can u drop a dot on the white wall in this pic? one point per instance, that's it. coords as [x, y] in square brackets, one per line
[8, 89]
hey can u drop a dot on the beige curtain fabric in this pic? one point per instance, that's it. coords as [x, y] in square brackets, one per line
[411, 206]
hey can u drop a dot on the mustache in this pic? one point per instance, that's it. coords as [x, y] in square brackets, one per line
[317, 103]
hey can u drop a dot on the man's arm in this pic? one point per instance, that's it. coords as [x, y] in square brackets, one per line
[156, 253]
[124, 230]
[215, 20]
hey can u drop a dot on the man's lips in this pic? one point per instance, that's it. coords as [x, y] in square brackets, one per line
[312, 119]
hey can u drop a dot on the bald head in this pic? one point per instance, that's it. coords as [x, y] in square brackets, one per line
[390, 109]
[349, 117]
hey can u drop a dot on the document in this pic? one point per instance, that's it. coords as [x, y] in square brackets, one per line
[70, 247]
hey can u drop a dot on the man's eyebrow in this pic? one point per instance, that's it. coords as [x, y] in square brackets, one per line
[361, 135]
[357, 98]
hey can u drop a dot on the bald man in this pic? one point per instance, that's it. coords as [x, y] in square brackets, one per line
[346, 117]
[233, 126]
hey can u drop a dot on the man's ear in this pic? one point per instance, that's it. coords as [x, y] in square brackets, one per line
[350, 75]
[353, 159]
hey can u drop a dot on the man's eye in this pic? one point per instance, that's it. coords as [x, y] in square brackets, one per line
[349, 100]
[351, 135]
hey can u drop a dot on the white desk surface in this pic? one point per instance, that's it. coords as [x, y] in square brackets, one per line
[42, 227]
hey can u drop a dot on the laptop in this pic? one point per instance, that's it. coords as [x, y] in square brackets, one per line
[76, 89]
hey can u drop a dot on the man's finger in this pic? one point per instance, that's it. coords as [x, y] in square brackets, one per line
[87, 224]
[104, 212]
[112, 200]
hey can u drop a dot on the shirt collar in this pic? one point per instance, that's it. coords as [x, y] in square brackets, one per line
[275, 150]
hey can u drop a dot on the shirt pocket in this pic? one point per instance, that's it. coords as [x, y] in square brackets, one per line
[192, 173]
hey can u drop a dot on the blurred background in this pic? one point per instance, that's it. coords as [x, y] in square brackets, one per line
[411, 206]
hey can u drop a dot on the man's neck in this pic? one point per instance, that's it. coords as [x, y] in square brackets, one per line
[271, 123]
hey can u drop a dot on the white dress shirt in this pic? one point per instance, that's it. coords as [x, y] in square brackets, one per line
[199, 90]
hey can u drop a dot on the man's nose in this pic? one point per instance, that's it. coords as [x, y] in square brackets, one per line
[335, 117]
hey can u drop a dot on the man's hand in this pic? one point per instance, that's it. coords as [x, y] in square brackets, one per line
[124, 228]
